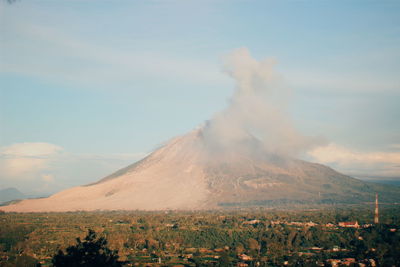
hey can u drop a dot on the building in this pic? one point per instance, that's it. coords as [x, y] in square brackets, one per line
[245, 257]
[349, 224]
[348, 261]
[252, 222]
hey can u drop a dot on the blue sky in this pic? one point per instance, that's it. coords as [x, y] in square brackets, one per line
[88, 87]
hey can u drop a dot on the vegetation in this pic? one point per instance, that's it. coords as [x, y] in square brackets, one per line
[91, 252]
[214, 238]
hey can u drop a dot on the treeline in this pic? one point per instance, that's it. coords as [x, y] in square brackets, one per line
[264, 235]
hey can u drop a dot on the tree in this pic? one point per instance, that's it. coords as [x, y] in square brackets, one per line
[224, 260]
[26, 261]
[92, 251]
[253, 247]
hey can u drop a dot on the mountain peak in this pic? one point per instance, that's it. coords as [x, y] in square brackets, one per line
[194, 171]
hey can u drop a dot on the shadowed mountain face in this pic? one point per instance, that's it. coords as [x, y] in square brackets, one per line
[190, 173]
[9, 194]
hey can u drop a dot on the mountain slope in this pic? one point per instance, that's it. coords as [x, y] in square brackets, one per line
[9, 194]
[191, 173]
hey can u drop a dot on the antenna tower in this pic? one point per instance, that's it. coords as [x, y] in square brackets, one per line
[376, 217]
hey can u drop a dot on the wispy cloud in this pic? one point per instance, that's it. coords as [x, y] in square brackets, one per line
[48, 178]
[24, 159]
[356, 162]
[46, 168]
[56, 56]
[394, 146]
[30, 150]
[356, 82]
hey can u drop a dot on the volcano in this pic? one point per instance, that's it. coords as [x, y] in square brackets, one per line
[244, 156]
[190, 173]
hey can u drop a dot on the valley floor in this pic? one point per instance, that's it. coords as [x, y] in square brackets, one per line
[244, 237]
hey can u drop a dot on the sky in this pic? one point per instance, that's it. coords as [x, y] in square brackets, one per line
[88, 87]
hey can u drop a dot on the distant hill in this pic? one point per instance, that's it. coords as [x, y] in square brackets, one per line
[9, 194]
[395, 182]
[191, 173]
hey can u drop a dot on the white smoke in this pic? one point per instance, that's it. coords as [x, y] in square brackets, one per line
[257, 109]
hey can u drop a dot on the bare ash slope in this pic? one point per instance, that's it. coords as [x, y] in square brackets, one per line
[169, 178]
[189, 174]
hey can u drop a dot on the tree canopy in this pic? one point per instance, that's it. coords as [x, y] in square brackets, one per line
[92, 251]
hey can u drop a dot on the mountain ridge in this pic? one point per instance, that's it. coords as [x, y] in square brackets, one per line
[191, 173]
[9, 194]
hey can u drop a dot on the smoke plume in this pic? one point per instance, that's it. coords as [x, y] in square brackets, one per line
[257, 109]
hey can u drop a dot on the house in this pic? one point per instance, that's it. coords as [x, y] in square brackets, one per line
[252, 222]
[245, 257]
[311, 224]
[334, 262]
[349, 224]
[302, 223]
[205, 250]
[348, 261]
[316, 248]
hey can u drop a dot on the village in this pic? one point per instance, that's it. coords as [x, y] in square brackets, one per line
[313, 237]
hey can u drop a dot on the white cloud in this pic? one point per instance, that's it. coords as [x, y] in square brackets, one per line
[30, 150]
[25, 160]
[336, 153]
[356, 162]
[44, 168]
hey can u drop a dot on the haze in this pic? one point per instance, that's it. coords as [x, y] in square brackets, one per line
[86, 89]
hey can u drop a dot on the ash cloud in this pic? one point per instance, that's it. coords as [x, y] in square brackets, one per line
[257, 110]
